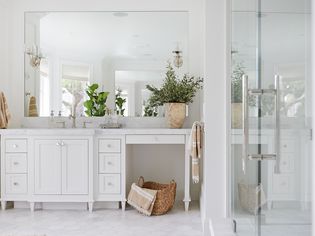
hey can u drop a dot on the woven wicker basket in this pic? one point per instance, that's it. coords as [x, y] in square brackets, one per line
[165, 196]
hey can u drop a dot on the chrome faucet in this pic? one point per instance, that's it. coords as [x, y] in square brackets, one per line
[73, 118]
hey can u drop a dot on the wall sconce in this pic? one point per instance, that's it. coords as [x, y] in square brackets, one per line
[178, 58]
[35, 56]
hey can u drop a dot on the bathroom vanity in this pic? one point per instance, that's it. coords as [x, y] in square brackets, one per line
[76, 165]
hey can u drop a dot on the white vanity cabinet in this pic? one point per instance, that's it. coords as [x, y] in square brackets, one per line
[14, 169]
[61, 166]
[77, 165]
[110, 169]
[62, 169]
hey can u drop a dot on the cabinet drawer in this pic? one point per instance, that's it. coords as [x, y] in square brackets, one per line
[287, 146]
[109, 145]
[16, 145]
[16, 184]
[109, 183]
[282, 184]
[109, 163]
[155, 139]
[16, 163]
[287, 163]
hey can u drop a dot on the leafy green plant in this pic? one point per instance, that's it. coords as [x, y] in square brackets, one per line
[238, 71]
[95, 105]
[174, 90]
[150, 111]
[119, 101]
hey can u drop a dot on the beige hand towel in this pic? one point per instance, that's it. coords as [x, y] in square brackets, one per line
[142, 199]
[195, 150]
[4, 112]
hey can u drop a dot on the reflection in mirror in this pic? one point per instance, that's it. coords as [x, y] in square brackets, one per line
[132, 85]
[65, 52]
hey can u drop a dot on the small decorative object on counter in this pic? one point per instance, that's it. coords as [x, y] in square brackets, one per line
[32, 110]
[162, 202]
[175, 94]
[4, 112]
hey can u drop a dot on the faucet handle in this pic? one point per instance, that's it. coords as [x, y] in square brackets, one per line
[63, 123]
[86, 122]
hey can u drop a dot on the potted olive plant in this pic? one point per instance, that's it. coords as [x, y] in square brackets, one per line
[238, 71]
[174, 94]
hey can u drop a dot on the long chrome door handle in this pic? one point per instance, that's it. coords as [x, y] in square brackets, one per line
[245, 122]
[260, 92]
[277, 123]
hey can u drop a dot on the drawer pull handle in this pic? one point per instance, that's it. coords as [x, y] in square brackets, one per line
[15, 146]
[15, 183]
[15, 163]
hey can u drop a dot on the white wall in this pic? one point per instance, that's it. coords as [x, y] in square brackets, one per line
[4, 65]
[214, 186]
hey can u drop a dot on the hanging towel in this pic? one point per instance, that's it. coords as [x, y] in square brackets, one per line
[4, 112]
[142, 199]
[195, 147]
[32, 108]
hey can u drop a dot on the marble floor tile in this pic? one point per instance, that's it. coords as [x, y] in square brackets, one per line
[107, 222]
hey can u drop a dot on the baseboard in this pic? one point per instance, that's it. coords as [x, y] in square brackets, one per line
[67, 206]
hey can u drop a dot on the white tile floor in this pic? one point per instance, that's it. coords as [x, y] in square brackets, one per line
[107, 222]
[276, 222]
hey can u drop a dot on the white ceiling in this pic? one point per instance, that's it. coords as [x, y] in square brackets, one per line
[138, 35]
[139, 76]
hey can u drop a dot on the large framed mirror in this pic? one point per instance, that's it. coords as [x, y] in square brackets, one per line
[121, 52]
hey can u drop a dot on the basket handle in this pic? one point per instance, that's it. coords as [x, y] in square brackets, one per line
[140, 181]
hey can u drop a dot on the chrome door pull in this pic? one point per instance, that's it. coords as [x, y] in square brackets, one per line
[245, 122]
[259, 92]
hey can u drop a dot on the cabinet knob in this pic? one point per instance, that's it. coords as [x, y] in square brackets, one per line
[109, 184]
[62, 143]
[283, 184]
[109, 163]
[15, 183]
[108, 145]
[15, 163]
[57, 144]
[15, 146]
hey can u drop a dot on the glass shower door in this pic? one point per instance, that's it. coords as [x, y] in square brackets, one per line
[271, 117]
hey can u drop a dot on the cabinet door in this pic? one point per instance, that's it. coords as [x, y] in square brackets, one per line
[75, 167]
[47, 167]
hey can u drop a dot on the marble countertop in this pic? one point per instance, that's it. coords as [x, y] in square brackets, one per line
[90, 131]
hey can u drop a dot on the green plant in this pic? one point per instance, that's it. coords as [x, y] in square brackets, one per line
[238, 71]
[150, 111]
[174, 90]
[119, 101]
[95, 105]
